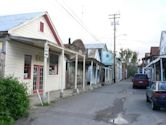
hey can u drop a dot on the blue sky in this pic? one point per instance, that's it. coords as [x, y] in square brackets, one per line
[141, 20]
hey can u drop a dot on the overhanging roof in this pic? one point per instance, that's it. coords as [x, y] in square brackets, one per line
[156, 60]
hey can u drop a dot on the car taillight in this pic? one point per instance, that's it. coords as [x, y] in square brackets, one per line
[156, 94]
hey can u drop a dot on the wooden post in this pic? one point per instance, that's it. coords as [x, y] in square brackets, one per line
[62, 74]
[96, 74]
[155, 72]
[76, 68]
[84, 73]
[105, 74]
[161, 69]
[91, 76]
[46, 54]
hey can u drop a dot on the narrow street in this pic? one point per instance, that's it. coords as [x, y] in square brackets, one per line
[116, 104]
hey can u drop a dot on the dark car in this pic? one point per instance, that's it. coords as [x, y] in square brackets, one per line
[156, 94]
[140, 80]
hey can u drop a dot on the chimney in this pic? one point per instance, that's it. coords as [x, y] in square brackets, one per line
[69, 40]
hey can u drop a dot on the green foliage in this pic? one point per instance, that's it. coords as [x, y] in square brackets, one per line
[14, 102]
[132, 69]
[128, 56]
[5, 118]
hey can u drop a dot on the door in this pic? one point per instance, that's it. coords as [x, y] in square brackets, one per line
[38, 78]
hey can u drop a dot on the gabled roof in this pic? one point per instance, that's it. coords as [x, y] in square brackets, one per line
[10, 22]
[96, 46]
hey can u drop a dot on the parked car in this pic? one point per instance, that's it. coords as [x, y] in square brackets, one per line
[140, 80]
[156, 94]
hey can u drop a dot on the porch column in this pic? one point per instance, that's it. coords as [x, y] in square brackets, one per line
[154, 72]
[105, 74]
[76, 68]
[96, 73]
[161, 69]
[62, 74]
[91, 75]
[83, 73]
[46, 54]
[3, 56]
[109, 76]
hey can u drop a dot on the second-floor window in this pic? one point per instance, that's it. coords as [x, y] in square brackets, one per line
[41, 27]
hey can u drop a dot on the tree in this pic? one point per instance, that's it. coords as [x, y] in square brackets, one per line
[130, 58]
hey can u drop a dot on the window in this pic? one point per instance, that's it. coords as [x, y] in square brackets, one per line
[27, 66]
[53, 68]
[162, 86]
[41, 27]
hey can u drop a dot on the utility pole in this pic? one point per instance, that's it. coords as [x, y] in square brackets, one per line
[114, 17]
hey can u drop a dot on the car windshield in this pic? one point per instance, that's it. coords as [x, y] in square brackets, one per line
[140, 76]
[162, 86]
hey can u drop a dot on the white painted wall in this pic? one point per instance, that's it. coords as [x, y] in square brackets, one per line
[14, 65]
[32, 30]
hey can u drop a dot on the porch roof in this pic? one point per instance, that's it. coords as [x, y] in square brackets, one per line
[40, 43]
[155, 61]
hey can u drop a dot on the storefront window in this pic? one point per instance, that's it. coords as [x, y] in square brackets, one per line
[27, 66]
[53, 67]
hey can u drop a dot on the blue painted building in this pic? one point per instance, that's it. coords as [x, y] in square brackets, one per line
[105, 57]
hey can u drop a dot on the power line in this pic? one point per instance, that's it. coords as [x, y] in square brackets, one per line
[77, 20]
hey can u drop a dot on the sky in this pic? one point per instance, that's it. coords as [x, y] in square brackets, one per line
[139, 26]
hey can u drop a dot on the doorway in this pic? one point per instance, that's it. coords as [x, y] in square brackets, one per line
[38, 78]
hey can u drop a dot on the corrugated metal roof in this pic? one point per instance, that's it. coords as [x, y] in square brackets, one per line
[95, 46]
[10, 21]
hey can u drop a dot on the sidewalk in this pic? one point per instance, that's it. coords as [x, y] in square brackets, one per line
[55, 95]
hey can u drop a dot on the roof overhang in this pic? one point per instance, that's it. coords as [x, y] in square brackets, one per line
[41, 42]
[155, 61]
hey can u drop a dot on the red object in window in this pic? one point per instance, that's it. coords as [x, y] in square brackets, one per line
[41, 27]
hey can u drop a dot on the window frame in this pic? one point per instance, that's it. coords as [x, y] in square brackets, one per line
[41, 27]
[56, 65]
[29, 67]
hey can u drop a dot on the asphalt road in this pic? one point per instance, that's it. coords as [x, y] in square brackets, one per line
[116, 104]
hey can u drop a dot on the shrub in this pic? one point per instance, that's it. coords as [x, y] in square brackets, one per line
[14, 102]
